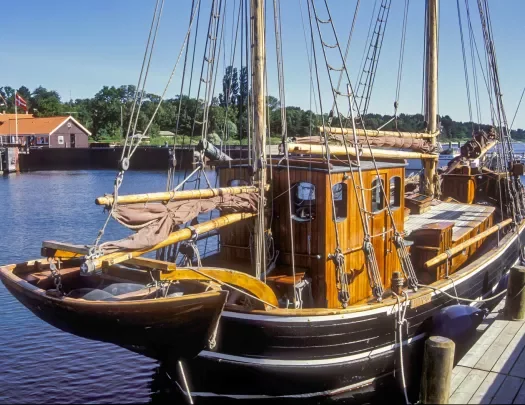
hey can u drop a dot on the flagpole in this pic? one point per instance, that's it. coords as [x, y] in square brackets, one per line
[3, 103]
[16, 120]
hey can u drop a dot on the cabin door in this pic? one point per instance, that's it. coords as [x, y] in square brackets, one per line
[380, 225]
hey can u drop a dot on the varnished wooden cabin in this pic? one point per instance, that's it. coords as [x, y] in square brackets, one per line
[430, 232]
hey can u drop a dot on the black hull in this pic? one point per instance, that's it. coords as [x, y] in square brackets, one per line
[261, 356]
[178, 327]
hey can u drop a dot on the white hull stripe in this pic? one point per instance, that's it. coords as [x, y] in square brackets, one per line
[336, 391]
[301, 363]
[387, 309]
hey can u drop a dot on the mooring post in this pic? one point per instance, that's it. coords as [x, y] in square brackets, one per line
[515, 305]
[438, 362]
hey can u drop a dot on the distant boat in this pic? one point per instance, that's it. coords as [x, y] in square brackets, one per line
[450, 152]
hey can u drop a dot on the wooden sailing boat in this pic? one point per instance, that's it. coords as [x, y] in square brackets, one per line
[361, 267]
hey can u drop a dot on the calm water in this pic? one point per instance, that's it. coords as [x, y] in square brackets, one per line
[38, 363]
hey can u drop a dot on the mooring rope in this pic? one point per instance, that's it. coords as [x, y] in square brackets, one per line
[463, 299]
[400, 321]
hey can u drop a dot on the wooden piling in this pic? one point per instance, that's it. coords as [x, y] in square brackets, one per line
[438, 362]
[515, 305]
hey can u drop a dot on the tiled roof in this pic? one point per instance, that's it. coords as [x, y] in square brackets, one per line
[7, 117]
[40, 126]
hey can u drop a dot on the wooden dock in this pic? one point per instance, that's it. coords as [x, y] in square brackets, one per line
[493, 370]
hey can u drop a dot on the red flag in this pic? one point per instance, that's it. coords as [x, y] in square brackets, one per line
[20, 102]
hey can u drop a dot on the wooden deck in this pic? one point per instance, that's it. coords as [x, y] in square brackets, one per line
[493, 370]
[465, 217]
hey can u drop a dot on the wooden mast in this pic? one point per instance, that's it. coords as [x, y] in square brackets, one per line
[309, 149]
[431, 75]
[259, 104]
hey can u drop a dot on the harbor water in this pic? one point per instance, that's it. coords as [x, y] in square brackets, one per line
[41, 364]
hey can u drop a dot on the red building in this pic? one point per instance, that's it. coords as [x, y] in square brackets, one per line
[48, 132]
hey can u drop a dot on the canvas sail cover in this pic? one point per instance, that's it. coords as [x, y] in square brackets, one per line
[155, 221]
[419, 145]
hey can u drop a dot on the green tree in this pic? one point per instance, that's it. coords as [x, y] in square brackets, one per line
[8, 93]
[105, 113]
[46, 103]
[230, 87]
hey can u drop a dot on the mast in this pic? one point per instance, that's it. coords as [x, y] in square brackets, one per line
[259, 103]
[431, 76]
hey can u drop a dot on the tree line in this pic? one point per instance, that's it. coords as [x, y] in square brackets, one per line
[107, 113]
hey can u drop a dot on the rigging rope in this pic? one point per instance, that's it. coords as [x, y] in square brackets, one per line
[284, 132]
[309, 56]
[172, 166]
[337, 257]
[425, 61]
[348, 42]
[313, 106]
[474, 47]
[368, 74]
[516, 209]
[517, 109]
[401, 57]
[465, 66]
[403, 256]
[136, 95]
[233, 49]
[128, 150]
[142, 91]
[363, 57]
[463, 299]
[400, 322]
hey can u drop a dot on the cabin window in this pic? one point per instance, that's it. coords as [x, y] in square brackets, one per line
[395, 192]
[377, 195]
[304, 202]
[340, 202]
[238, 183]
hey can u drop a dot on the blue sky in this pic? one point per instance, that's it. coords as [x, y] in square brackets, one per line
[76, 47]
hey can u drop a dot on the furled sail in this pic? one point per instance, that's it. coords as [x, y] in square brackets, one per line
[154, 222]
[419, 145]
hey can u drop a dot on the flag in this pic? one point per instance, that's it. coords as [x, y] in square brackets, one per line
[20, 102]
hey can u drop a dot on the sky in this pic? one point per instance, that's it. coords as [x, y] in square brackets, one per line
[76, 47]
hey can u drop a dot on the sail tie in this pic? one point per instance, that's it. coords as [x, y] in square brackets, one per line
[341, 276]
[190, 250]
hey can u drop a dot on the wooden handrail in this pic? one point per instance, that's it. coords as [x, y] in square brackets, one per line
[175, 195]
[376, 133]
[342, 151]
[456, 249]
